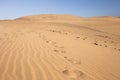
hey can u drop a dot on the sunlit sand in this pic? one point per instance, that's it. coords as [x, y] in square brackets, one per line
[60, 47]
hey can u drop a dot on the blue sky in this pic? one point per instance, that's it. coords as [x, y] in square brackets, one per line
[10, 9]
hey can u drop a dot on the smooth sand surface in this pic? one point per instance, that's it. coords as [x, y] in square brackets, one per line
[60, 47]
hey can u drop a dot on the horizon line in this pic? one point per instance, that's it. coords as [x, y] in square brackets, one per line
[58, 14]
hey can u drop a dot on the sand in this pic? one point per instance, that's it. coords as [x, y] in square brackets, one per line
[60, 47]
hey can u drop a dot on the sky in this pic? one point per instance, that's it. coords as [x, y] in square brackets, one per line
[10, 9]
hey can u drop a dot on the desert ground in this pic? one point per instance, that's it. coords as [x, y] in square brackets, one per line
[60, 47]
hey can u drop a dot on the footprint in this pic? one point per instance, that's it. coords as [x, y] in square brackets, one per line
[105, 45]
[111, 42]
[77, 62]
[95, 43]
[77, 37]
[100, 45]
[53, 43]
[118, 49]
[66, 33]
[105, 41]
[55, 50]
[74, 61]
[73, 74]
[47, 41]
[63, 51]
[66, 72]
[65, 57]
[70, 60]
[115, 48]
[84, 38]
[52, 30]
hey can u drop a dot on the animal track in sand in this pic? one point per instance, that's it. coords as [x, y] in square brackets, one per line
[84, 38]
[118, 49]
[55, 31]
[73, 74]
[59, 48]
[115, 48]
[104, 45]
[55, 50]
[95, 43]
[60, 32]
[103, 36]
[77, 37]
[100, 44]
[63, 51]
[59, 51]
[66, 33]
[65, 57]
[74, 61]
[53, 43]
[48, 41]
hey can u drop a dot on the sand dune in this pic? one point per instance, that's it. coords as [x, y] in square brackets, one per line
[60, 47]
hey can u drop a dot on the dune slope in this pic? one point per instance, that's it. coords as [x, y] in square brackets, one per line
[60, 47]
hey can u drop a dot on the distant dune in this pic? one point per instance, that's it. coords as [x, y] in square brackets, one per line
[109, 24]
[60, 47]
[52, 17]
